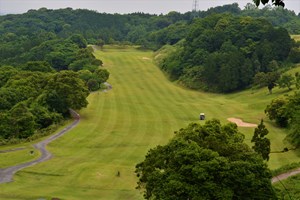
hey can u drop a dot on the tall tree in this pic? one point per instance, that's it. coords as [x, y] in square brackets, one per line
[261, 143]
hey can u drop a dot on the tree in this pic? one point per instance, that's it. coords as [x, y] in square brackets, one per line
[22, 121]
[293, 107]
[66, 90]
[93, 84]
[79, 40]
[208, 161]
[261, 144]
[269, 79]
[40, 66]
[101, 75]
[297, 79]
[294, 133]
[286, 80]
[100, 43]
[277, 110]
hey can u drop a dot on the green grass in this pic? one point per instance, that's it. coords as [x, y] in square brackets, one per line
[15, 157]
[289, 189]
[117, 129]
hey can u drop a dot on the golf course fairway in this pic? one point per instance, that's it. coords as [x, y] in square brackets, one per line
[119, 126]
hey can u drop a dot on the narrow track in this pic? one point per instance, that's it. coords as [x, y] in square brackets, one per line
[6, 174]
[286, 175]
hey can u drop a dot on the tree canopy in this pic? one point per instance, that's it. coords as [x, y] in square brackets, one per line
[208, 161]
[223, 53]
[32, 100]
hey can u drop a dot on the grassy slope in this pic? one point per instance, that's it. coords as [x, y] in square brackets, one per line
[118, 127]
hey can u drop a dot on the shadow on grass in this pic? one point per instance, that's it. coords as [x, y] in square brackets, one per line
[41, 173]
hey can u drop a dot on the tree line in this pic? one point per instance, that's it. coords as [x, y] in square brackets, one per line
[223, 53]
[40, 83]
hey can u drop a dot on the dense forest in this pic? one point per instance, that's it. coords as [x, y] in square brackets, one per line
[223, 53]
[42, 47]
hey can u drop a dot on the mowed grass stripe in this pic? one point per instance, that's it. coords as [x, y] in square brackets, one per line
[118, 128]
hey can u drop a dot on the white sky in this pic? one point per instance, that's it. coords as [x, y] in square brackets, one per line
[125, 6]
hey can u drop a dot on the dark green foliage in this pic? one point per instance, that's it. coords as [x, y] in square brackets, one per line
[68, 91]
[294, 132]
[94, 80]
[93, 84]
[79, 40]
[286, 113]
[6, 72]
[205, 162]
[33, 100]
[20, 34]
[293, 108]
[21, 121]
[261, 143]
[277, 111]
[286, 81]
[43, 117]
[38, 66]
[268, 80]
[297, 80]
[228, 51]
[101, 75]
[294, 55]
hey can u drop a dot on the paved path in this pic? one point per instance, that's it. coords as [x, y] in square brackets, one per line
[6, 174]
[286, 175]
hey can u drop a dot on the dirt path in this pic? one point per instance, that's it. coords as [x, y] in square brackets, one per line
[286, 175]
[240, 122]
[6, 174]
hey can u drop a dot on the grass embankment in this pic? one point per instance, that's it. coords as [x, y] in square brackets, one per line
[117, 129]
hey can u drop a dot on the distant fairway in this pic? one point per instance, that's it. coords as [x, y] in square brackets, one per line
[117, 129]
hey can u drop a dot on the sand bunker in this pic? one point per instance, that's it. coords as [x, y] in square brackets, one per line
[240, 122]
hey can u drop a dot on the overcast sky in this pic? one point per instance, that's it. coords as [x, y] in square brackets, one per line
[125, 6]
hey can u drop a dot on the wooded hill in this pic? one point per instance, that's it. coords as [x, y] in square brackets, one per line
[223, 53]
[223, 43]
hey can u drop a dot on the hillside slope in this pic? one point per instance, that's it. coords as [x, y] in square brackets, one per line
[116, 130]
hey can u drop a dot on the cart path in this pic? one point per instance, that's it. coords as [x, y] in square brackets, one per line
[286, 175]
[6, 174]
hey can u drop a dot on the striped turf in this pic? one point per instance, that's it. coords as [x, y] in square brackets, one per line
[119, 126]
